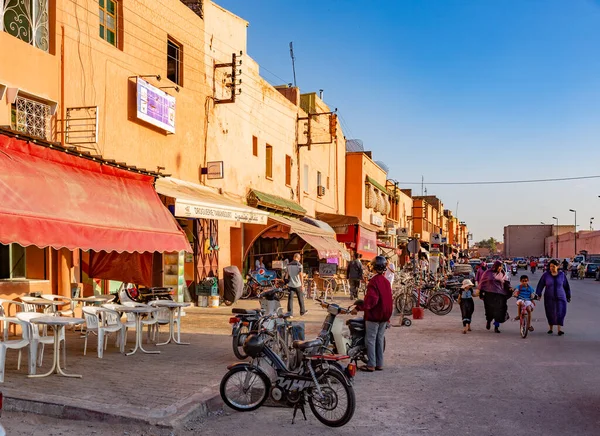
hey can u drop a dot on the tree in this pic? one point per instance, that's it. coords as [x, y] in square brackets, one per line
[490, 244]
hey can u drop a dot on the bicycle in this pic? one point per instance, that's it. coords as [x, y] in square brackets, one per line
[525, 318]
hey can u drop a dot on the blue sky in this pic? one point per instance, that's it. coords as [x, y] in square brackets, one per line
[455, 90]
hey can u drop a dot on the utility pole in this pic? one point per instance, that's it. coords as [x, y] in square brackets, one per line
[422, 184]
[293, 61]
[557, 230]
[575, 212]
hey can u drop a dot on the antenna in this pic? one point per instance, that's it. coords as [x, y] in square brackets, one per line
[293, 61]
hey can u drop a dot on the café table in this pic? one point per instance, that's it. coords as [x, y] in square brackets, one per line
[138, 311]
[96, 299]
[45, 303]
[58, 323]
[173, 307]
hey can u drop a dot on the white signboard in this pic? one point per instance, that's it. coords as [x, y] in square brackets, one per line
[402, 234]
[436, 238]
[155, 106]
[215, 170]
[376, 220]
[190, 210]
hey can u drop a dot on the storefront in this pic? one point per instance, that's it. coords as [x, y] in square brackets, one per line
[357, 235]
[199, 210]
[62, 210]
[282, 237]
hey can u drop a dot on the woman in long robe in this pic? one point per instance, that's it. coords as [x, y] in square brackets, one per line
[492, 291]
[558, 294]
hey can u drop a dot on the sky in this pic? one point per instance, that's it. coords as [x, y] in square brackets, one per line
[454, 91]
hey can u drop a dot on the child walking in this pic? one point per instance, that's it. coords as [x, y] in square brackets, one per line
[467, 306]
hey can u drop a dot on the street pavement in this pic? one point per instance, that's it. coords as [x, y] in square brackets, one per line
[437, 381]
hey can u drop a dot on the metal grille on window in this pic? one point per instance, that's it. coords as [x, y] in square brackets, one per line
[26, 20]
[31, 117]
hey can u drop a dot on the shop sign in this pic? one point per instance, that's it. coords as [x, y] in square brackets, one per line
[155, 106]
[376, 220]
[187, 210]
[327, 269]
[402, 234]
[215, 170]
[444, 240]
[435, 242]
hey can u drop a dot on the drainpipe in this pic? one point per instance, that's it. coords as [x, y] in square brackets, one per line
[62, 85]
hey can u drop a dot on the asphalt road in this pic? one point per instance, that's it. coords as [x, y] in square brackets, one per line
[438, 381]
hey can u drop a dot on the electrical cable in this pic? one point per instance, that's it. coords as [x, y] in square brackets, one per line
[505, 182]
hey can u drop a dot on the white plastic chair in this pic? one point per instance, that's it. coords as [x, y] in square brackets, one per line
[102, 321]
[6, 313]
[38, 341]
[163, 319]
[64, 312]
[15, 344]
[28, 307]
[151, 321]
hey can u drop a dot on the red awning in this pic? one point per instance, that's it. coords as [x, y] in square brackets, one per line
[49, 198]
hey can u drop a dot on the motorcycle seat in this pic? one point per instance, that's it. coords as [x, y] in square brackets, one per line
[240, 311]
[359, 322]
[303, 345]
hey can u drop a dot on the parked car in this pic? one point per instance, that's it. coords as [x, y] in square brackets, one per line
[521, 262]
[591, 269]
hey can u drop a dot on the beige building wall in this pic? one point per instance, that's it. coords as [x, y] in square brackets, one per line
[526, 240]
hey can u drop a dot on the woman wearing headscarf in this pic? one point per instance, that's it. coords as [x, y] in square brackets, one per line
[558, 294]
[492, 290]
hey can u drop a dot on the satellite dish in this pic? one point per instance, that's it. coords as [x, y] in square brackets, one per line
[383, 166]
[353, 145]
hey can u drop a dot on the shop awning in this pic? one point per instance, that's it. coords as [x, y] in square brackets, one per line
[197, 201]
[321, 240]
[275, 203]
[50, 198]
[339, 222]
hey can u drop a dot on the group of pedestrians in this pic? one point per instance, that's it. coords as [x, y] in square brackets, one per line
[493, 287]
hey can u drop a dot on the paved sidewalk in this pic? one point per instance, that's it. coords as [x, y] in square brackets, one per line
[179, 384]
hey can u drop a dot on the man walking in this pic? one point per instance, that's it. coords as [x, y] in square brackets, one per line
[378, 306]
[355, 275]
[295, 285]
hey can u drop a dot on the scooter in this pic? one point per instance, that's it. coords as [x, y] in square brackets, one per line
[514, 270]
[332, 332]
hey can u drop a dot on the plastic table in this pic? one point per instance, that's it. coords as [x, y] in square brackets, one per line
[173, 306]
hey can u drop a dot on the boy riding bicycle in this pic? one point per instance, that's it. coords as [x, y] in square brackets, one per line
[525, 294]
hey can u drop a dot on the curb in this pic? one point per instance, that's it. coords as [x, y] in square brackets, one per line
[196, 406]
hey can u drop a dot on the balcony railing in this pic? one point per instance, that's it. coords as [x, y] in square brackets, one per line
[26, 20]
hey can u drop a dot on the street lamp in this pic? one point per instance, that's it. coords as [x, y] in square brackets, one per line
[575, 212]
[591, 226]
[542, 223]
[557, 235]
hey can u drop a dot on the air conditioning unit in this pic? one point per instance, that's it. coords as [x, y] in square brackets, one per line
[320, 191]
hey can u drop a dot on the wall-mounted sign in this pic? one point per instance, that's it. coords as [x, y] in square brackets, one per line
[444, 240]
[215, 170]
[190, 210]
[402, 234]
[327, 269]
[155, 106]
[376, 220]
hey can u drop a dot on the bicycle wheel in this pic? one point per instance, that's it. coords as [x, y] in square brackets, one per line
[246, 292]
[238, 342]
[279, 347]
[335, 407]
[404, 304]
[243, 389]
[440, 303]
[524, 319]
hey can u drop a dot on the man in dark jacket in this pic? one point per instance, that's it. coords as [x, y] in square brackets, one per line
[355, 275]
[378, 306]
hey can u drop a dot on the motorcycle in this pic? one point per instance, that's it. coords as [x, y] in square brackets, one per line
[326, 389]
[244, 322]
[533, 269]
[138, 294]
[333, 339]
[514, 270]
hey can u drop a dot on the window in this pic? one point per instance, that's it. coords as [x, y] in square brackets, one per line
[107, 10]
[12, 261]
[319, 181]
[269, 162]
[305, 187]
[30, 117]
[27, 20]
[254, 146]
[288, 170]
[174, 61]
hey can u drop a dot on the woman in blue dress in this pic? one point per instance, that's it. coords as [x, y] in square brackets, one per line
[558, 294]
